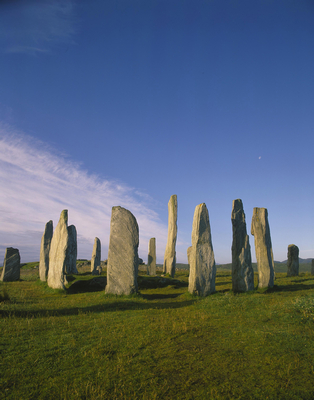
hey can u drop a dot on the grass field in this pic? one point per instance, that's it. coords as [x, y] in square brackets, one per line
[160, 344]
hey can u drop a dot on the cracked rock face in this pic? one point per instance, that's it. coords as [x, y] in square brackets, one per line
[44, 251]
[122, 267]
[169, 266]
[11, 265]
[293, 260]
[242, 271]
[151, 262]
[96, 256]
[201, 255]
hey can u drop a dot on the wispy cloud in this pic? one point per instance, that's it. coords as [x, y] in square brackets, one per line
[37, 184]
[33, 27]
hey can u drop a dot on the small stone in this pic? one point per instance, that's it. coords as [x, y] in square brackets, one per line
[95, 260]
[44, 251]
[11, 265]
[70, 264]
[293, 260]
[151, 262]
[169, 266]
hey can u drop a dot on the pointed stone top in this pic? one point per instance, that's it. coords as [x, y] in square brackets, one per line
[64, 216]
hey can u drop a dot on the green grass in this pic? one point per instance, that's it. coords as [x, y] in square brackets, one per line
[160, 344]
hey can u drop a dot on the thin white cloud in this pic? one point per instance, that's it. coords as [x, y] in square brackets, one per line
[37, 184]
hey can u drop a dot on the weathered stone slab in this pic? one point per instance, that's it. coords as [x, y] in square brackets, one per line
[11, 265]
[151, 262]
[122, 267]
[188, 252]
[70, 263]
[242, 270]
[201, 258]
[293, 260]
[44, 251]
[96, 255]
[58, 252]
[169, 266]
[263, 247]
[312, 268]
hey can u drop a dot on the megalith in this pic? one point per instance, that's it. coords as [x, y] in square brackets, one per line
[263, 248]
[58, 253]
[70, 264]
[11, 265]
[151, 262]
[312, 267]
[242, 270]
[122, 267]
[96, 256]
[44, 251]
[293, 260]
[169, 266]
[201, 258]
[188, 253]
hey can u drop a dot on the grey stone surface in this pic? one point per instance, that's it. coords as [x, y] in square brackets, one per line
[71, 256]
[44, 251]
[169, 265]
[96, 256]
[122, 266]
[11, 265]
[263, 247]
[201, 256]
[151, 262]
[57, 254]
[188, 253]
[242, 271]
[293, 260]
[312, 268]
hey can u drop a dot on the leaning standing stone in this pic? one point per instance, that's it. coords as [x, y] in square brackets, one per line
[95, 260]
[57, 255]
[169, 266]
[44, 251]
[11, 265]
[202, 261]
[263, 248]
[293, 260]
[122, 267]
[242, 271]
[70, 265]
[151, 262]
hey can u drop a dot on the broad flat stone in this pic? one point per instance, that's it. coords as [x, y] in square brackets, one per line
[96, 256]
[263, 247]
[293, 260]
[70, 264]
[151, 262]
[57, 254]
[169, 266]
[44, 251]
[242, 271]
[11, 265]
[122, 267]
[201, 258]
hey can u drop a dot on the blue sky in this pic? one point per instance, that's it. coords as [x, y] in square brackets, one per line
[123, 102]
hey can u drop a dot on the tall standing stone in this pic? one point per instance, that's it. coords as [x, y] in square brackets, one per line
[201, 258]
[70, 264]
[242, 271]
[96, 257]
[188, 253]
[312, 267]
[169, 266]
[151, 262]
[122, 267]
[263, 248]
[293, 260]
[58, 253]
[44, 251]
[11, 265]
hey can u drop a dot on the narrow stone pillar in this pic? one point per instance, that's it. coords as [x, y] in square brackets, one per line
[44, 251]
[96, 257]
[11, 265]
[263, 248]
[201, 258]
[70, 266]
[293, 260]
[169, 266]
[312, 268]
[188, 253]
[151, 262]
[242, 271]
[122, 267]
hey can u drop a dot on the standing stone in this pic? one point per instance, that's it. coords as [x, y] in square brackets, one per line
[11, 265]
[293, 260]
[202, 261]
[312, 268]
[242, 271]
[70, 264]
[122, 267]
[58, 252]
[263, 248]
[44, 251]
[188, 252]
[96, 256]
[169, 266]
[151, 262]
